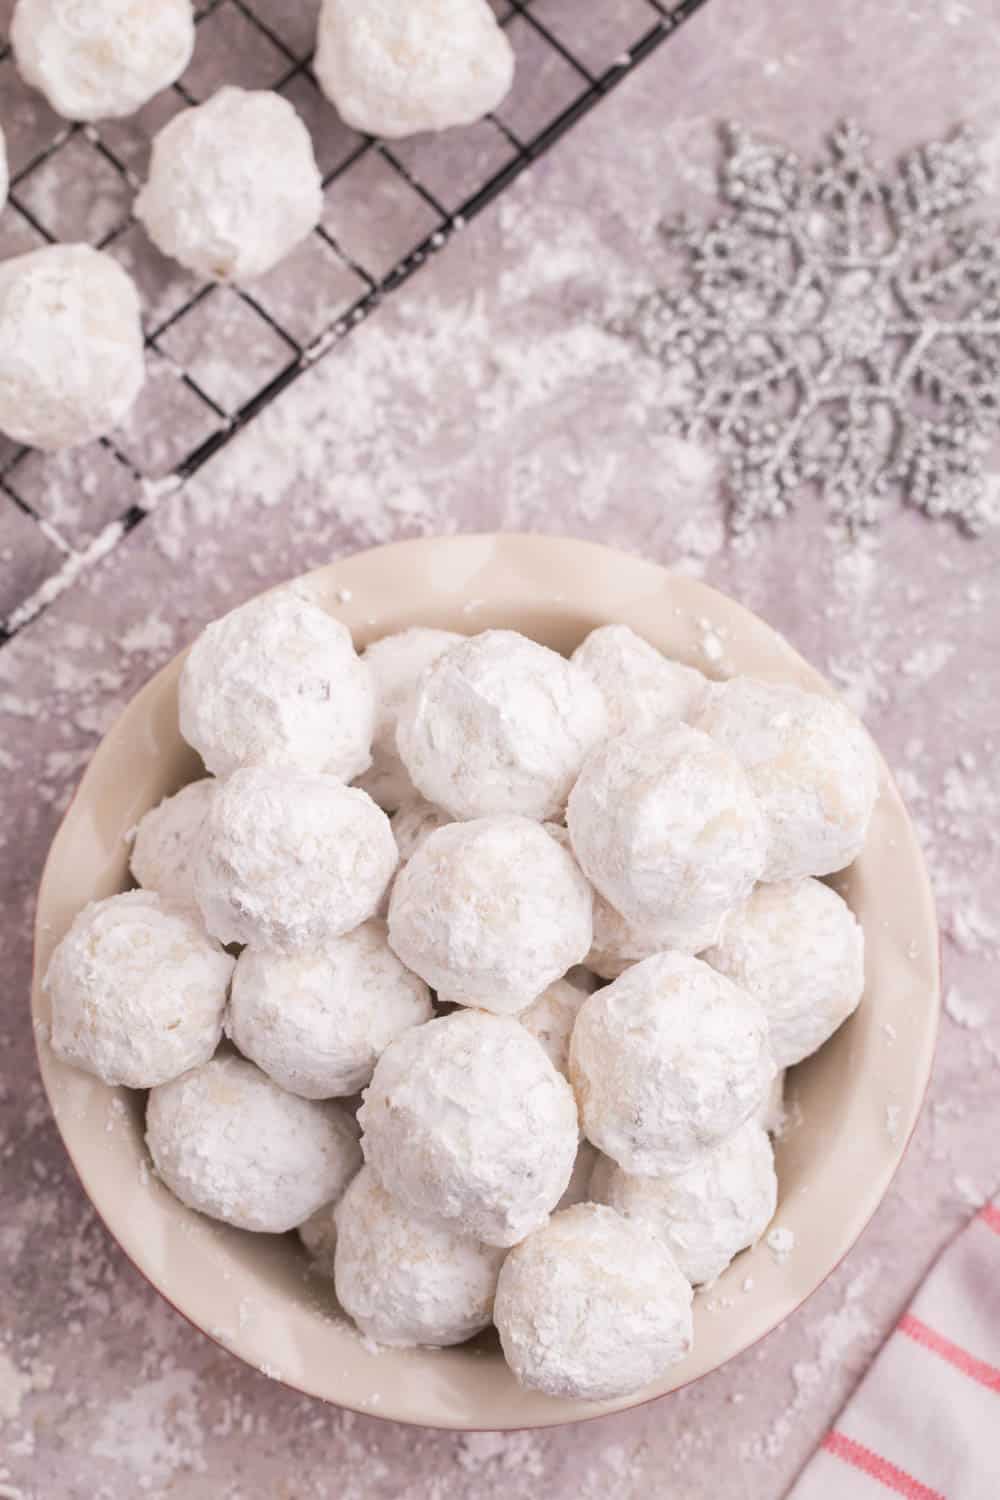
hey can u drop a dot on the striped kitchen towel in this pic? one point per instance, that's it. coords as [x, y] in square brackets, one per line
[925, 1421]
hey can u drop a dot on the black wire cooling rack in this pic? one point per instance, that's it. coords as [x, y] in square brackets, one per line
[216, 355]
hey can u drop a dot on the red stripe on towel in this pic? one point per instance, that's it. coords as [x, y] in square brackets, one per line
[990, 1216]
[976, 1369]
[876, 1467]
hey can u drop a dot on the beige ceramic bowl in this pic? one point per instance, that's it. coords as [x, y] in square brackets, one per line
[859, 1097]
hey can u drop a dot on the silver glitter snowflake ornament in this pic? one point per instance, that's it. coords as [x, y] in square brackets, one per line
[838, 331]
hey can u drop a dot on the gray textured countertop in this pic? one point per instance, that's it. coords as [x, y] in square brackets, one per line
[489, 394]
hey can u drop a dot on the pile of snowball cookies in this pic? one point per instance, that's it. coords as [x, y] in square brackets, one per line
[233, 183]
[535, 1146]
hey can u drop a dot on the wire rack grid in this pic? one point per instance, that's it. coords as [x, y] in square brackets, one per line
[216, 355]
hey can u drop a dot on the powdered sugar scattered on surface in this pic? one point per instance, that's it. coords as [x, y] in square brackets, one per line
[507, 1451]
[963, 1011]
[781, 1243]
[156, 1432]
[507, 342]
[928, 660]
[838, 1339]
[18, 1383]
[968, 1192]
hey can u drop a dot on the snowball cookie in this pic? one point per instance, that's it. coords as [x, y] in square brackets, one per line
[166, 840]
[317, 1022]
[277, 682]
[408, 1281]
[797, 947]
[770, 1113]
[465, 1118]
[811, 765]
[289, 860]
[318, 1233]
[490, 913]
[711, 1212]
[668, 1060]
[137, 991]
[228, 1142]
[233, 185]
[500, 724]
[393, 68]
[551, 1019]
[642, 689]
[415, 821]
[101, 59]
[618, 944]
[592, 1306]
[396, 663]
[411, 824]
[667, 828]
[71, 361]
[4, 175]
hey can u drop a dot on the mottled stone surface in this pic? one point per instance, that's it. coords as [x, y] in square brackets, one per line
[487, 394]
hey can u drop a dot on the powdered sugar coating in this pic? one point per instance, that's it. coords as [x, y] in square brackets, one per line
[318, 1233]
[500, 724]
[230, 1143]
[166, 842]
[551, 1019]
[233, 185]
[490, 913]
[393, 69]
[667, 828]
[71, 350]
[101, 59]
[592, 1306]
[466, 1119]
[611, 932]
[411, 825]
[317, 1022]
[289, 859]
[642, 689]
[137, 991]
[415, 821]
[712, 1211]
[407, 1281]
[666, 1061]
[277, 682]
[619, 944]
[798, 948]
[396, 663]
[812, 767]
[770, 1113]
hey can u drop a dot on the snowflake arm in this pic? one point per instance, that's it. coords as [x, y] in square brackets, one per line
[838, 330]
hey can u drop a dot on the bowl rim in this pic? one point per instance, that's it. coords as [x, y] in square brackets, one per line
[553, 557]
